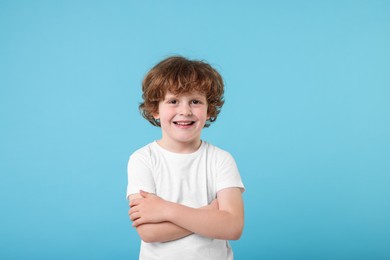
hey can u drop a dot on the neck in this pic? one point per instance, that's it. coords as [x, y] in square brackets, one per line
[179, 147]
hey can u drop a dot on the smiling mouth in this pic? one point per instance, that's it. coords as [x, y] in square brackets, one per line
[184, 123]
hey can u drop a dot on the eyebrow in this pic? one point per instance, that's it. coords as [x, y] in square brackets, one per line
[168, 96]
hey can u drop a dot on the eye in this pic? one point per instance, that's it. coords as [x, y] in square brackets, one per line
[196, 102]
[172, 101]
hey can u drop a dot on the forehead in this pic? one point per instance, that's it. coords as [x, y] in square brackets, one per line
[192, 94]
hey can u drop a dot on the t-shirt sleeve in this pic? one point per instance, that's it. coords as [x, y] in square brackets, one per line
[139, 174]
[228, 175]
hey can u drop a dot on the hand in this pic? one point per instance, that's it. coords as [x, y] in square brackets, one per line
[148, 209]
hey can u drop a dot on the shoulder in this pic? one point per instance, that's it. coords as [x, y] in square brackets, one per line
[150, 153]
[143, 150]
[218, 154]
[143, 153]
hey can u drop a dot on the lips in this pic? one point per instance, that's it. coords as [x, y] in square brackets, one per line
[184, 123]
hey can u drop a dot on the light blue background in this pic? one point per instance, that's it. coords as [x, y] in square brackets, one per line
[307, 117]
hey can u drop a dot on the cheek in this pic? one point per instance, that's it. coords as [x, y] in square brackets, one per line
[166, 115]
[204, 115]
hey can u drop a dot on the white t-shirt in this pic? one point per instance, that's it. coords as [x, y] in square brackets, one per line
[189, 179]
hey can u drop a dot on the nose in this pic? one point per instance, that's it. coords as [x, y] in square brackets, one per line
[185, 110]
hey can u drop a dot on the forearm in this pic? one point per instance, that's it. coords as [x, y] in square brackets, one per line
[215, 223]
[166, 231]
[226, 221]
[161, 232]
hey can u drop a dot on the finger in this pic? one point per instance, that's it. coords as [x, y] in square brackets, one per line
[135, 216]
[134, 202]
[144, 194]
[133, 210]
[137, 222]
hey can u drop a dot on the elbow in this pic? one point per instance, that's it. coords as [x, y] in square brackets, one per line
[146, 234]
[237, 235]
[146, 238]
[235, 231]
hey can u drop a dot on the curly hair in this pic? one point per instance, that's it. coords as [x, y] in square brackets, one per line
[179, 75]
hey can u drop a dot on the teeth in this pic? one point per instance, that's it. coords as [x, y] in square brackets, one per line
[183, 123]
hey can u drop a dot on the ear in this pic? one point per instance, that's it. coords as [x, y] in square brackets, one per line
[156, 115]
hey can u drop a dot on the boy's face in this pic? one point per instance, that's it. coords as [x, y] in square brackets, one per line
[182, 119]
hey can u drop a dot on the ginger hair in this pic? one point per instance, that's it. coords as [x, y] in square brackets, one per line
[179, 75]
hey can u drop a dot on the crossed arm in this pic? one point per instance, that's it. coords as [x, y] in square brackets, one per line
[158, 220]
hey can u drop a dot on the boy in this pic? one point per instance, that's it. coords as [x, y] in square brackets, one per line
[185, 194]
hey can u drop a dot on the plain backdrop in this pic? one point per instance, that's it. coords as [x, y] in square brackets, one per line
[307, 117]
